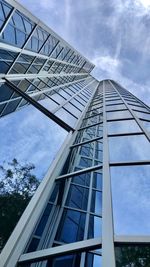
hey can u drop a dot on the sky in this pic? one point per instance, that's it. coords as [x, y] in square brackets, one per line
[113, 34]
[30, 137]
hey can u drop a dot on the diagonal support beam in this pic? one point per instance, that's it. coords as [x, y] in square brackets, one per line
[40, 107]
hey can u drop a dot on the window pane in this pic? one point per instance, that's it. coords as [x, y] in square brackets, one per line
[93, 260]
[118, 115]
[97, 180]
[71, 228]
[95, 227]
[123, 127]
[129, 148]
[83, 179]
[77, 197]
[96, 202]
[131, 199]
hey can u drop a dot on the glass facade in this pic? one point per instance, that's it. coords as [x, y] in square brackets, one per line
[92, 207]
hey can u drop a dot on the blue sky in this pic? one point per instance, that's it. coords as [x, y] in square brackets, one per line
[30, 136]
[113, 34]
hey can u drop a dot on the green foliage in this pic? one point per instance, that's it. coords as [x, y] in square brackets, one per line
[133, 256]
[17, 185]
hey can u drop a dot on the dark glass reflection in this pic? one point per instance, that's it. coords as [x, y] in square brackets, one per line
[65, 261]
[133, 256]
[77, 197]
[95, 227]
[71, 227]
[93, 260]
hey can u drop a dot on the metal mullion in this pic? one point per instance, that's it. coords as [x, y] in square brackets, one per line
[74, 105]
[82, 171]
[125, 134]
[147, 134]
[72, 60]
[87, 217]
[99, 105]
[69, 56]
[70, 113]
[88, 126]
[107, 221]
[58, 53]
[74, 209]
[49, 56]
[38, 52]
[138, 100]
[93, 115]
[129, 163]
[107, 105]
[5, 23]
[91, 111]
[27, 40]
[141, 111]
[142, 119]
[54, 87]
[83, 186]
[60, 213]
[116, 110]
[121, 119]
[135, 105]
[15, 77]
[66, 54]
[69, 99]
[86, 142]
[10, 100]
[44, 254]
[132, 239]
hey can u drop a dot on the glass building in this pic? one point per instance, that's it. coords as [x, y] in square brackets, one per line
[92, 208]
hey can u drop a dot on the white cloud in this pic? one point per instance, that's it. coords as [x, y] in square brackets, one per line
[144, 3]
[107, 63]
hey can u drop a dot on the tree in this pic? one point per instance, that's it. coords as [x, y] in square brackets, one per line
[133, 256]
[17, 186]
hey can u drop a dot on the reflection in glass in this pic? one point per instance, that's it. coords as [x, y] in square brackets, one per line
[83, 179]
[118, 115]
[93, 260]
[131, 199]
[96, 202]
[97, 180]
[95, 227]
[77, 197]
[125, 126]
[129, 148]
[71, 227]
[135, 256]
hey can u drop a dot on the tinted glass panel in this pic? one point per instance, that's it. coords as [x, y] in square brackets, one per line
[123, 127]
[131, 199]
[118, 115]
[71, 227]
[95, 227]
[129, 148]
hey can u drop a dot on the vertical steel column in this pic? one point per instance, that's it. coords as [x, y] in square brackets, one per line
[108, 255]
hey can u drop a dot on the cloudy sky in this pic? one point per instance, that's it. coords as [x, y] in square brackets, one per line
[113, 34]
